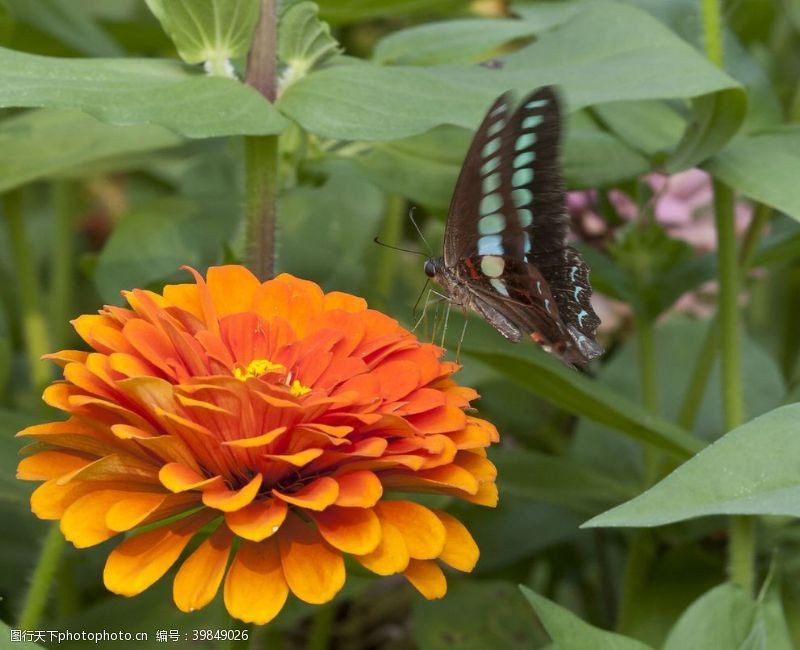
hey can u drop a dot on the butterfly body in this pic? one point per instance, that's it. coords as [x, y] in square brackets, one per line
[505, 252]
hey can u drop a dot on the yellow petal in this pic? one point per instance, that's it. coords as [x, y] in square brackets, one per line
[351, 530]
[199, 577]
[313, 570]
[427, 578]
[255, 589]
[180, 478]
[422, 531]
[317, 495]
[141, 560]
[258, 520]
[460, 550]
[221, 498]
[361, 489]
[391, 554]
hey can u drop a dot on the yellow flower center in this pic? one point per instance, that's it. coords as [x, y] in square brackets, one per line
[256, 368]
[297, 389]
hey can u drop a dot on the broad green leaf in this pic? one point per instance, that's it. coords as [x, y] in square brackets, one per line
[648, 126]
[476, 616]
[540, 373]
[349, 11]
[721, 618]
[771, 613]
[5, 633]
[43, 143]
[750, 470]
[68, 22]
[569, 631]
[153, 242]
[607, 52]
[555, 480]
[452, 41]
[137, 91]
[763, 167]
[210, 31]
[304, 41]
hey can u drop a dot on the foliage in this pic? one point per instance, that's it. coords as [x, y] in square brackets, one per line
[125, 159]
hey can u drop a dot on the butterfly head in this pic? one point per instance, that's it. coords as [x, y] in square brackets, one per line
[433, 265]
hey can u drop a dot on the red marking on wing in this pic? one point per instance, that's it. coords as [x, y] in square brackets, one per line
[472, 270]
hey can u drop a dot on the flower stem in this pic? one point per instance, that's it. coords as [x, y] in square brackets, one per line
[319, 637]
[742, 542]
[261, 152]
[387, 262]
[61, 276]
[33, 321]
[36, 597]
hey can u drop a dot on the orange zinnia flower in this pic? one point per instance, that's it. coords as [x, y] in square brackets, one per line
[271, 419]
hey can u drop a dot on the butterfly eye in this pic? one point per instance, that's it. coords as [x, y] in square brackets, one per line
[430, 268]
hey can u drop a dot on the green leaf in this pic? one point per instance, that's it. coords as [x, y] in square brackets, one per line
[304, 41]
[153, 242]
[137, 91]
[349, 11]
[43, 143]
[763, 167]
[476, 616]
[68, 22]
[452, 41]
[556, 480]
[5, 633]
[569, 631]
[651, 127]
[721, 618]
[212, 31]
[749, 471]
[608, 52]
[548, 378]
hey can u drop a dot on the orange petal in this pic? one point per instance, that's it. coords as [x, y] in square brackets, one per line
[257, 441]
[351, 530]
[360, 489]
[255, 588]
[199, 577]
[460, 550]
[232, 288]
[313, 570]
[450, 476]
[317, 495]
[391, 554]
[180, 478]
[300, 459]
[427, 578]
[486, 496]
[221, 498]
[479, 466]
[50, 464]
[84, 521]
[185, 296]
[422, 531]
[258, 520]
[439, 420]
[141, 560]
[130, 509]
[343, 301]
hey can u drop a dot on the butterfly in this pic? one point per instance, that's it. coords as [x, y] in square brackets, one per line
[505, 250]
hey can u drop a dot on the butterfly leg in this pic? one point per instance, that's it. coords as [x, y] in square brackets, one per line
[446, 320]
[461, 338]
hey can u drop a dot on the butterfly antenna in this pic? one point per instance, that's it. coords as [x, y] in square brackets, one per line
[419, 230]
[397, 248]
[416, 304]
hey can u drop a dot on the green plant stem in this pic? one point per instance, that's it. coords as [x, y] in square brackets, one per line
[261, 152]
[320, 634]
[387, 262]
[742, 541]
[61, 268]
[36, 598]
[712, 30]
[33, 321]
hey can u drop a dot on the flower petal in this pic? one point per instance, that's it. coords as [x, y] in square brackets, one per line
[361, 489]
[221, 498]
[258, 520]
[313, 570]
[232, 288]
[422, 531]
[141, 560]
[199, 577]
[351, 530]
[427, 578]
[51, 464]
[317, 495]
[391, 554]
[460, 550]
[255, 588]
[180, 478]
